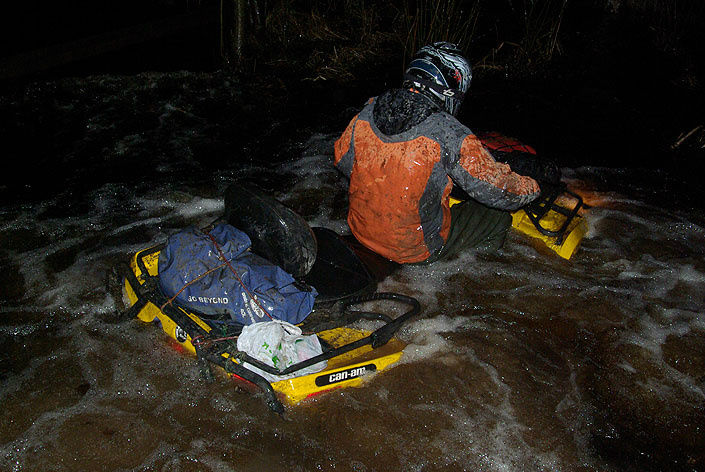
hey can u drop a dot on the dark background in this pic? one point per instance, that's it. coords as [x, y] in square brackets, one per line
[612, 83]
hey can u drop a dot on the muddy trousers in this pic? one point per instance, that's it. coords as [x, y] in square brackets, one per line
[473, 225]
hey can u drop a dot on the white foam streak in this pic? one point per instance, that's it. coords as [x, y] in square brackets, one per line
[424, 337]
[201, 206]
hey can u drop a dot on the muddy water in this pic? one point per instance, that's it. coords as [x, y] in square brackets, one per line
[520, 360]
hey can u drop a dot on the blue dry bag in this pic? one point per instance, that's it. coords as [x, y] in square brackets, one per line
[215, 274]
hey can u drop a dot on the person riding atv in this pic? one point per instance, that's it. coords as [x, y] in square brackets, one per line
[404, 153]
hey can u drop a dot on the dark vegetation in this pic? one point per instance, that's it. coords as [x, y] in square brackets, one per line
[612, 83]
[578, 77]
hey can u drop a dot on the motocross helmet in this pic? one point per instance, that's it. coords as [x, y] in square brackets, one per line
[440, 72]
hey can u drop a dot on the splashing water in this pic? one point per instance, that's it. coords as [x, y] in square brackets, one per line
[520, 361]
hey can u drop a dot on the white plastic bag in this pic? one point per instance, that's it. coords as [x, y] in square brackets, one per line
[279, 344]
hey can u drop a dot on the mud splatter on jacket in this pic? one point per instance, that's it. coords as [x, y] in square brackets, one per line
[401, 178]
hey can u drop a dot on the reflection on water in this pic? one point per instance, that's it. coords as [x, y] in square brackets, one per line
[521, 360]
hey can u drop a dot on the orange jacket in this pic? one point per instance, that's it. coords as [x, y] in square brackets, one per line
[400, 184]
